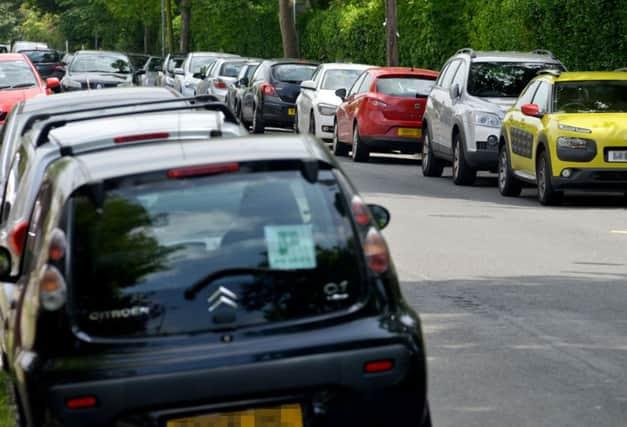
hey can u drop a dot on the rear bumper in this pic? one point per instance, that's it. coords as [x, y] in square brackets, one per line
[276, 112]
[385, 144]
[603, 179]
[483, 159]
[338, 373]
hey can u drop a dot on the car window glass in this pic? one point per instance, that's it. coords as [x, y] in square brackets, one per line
[155, 64]
[527, 96]
[151, 238]
[591, 96]
[250, 71]
[449, 74]
[34, 237]
[404, 86]
[198, 62]
[357, 84]
[259, 73]
[231, 69]
[100, 63]
[541, 98]
[460, 76]
[442, 74]
[16, 74]
[503, 79]
[366, 84]
[339, 79]
[42, 56]
[292, 73]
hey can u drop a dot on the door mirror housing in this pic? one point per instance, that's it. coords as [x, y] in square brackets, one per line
[308, 85]
[380, 214]
[532, 110]
[199, 75]
[243, 82]
[5, 263]
[52, 82]
[140, 72]
[341, 93]
[456, 91]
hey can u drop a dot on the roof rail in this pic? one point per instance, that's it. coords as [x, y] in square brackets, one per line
[201, 98]
[42, 138]
[543, 52]
[550, 72]
[467, 50]
[623, 70]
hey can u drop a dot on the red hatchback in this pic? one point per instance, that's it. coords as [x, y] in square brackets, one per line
[382, 112]
[19, 80]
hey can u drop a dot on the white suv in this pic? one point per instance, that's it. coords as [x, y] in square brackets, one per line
[462, 120]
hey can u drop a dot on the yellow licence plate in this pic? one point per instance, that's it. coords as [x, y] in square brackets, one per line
[409, 132]
[281, 416]
[291, 111]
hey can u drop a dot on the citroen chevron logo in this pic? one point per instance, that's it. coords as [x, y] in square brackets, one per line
[222, 296]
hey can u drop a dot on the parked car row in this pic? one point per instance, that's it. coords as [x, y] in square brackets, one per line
[158, 265]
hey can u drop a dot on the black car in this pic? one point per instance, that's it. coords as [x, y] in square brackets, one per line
[47, 61]
[98, 70]
[223, 281]
[234, 91]
[269, 100]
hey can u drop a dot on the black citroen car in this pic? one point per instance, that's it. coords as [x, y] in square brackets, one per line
[238, 282]
[270, 98]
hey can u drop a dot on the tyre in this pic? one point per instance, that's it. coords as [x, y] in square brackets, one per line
[360, 151]
[463, 174]
[312, 124]
[431, 165]
[17, 413]
[339, 148]
[258, 125]
[509, 186]
[547, 195]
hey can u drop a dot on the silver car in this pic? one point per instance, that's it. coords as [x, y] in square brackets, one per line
[220, 76]
[190, 74]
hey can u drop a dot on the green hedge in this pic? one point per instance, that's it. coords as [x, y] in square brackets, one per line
[585, 35]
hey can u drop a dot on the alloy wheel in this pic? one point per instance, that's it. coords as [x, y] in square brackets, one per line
[502, 169]
[426, 158]
[456, 156]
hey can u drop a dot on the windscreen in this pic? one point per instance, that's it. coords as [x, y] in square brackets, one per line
[145, 240]
[503, 80]
[138, 61]
[405, 86]
[604, 96]
[231, 69]
[42, 56]
[100, 63]
[16, 74]
[293, 73]
[339, 79]
[175, 63]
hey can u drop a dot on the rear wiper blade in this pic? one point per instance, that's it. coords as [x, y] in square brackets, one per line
[191, 292]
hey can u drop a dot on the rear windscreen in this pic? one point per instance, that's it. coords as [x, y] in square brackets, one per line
[272, 245]
[405, 87]
[42, 56]
[231, 69]
[293, 73]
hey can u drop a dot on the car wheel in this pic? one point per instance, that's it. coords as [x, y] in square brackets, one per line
[547, 195]
[16, 407]
[463, 174]
[312, 124]
[509, 186]
[258, 125]
[360, 151]
[339, 148]
[431, 165]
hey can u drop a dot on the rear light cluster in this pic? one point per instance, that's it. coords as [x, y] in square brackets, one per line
[375, 249]
[52, 286]
[268, 89]
[219, 84]
[378, 366]
[81, 402]
[202, 170]
[141, 137]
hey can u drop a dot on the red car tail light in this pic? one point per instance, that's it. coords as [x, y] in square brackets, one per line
[219, 84]
[81, 402]
[268, 89]
[360, 211]
[17, 238]
[141, 137]
[203, 170]
[378, 366]
[52, 289]
[376, 251]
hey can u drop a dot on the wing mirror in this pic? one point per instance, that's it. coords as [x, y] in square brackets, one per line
[532, 110]
[456, 91]
[308, 85]
[199, 75]
[52, 83]
[243, 82]
[341, 93]
[140, 72]
[380, 214]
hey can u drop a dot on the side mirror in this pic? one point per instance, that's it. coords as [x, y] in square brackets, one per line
[243, 82]
[308, 85]
[140, 72]
[456, 91]
[179, 72]
[52, 82]
[5, 263]
[380, 214]
[532, 110]
[199, 75]
[341, 93]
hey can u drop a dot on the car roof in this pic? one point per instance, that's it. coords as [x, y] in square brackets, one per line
[83, 99]
[137, 159]
[13, 57]
[508, 56]
[219, 54]
[100, 52]
[590, 75]
[344, 66]
[383, 71]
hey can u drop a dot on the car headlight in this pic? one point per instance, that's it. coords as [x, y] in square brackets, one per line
[67, 82]
[574, 143]
[327, 109]
[573, 128]
[486, 119]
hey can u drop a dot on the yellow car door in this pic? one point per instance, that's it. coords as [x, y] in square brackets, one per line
[520, 132]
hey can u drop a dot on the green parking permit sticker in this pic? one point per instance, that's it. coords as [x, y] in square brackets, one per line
[290, 247]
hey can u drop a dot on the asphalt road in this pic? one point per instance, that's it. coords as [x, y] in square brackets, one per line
[524, 307]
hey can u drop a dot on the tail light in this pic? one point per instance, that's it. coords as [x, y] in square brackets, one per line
[376, 251]
[57, 245]
[81, 402]
[219, 84]
[378, 366]
[52, 289]
[17, 238]
[141, 137]
[203, 170]
[268, 89]
[360, 211]
[376, 104]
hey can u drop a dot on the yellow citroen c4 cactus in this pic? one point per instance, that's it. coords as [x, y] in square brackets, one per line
[566, 131]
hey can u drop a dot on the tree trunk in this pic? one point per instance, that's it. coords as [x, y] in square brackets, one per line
[288, 28]
[186, 14]
[390, 33]
[169, 34]
[146, 38]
